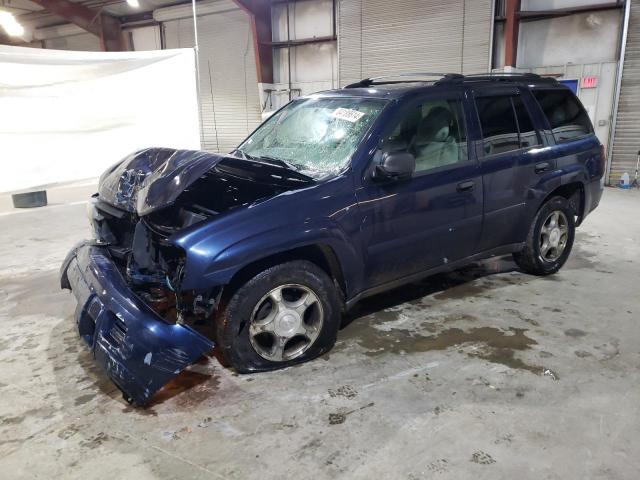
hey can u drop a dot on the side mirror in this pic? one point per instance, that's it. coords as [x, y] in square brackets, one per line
[395, 166]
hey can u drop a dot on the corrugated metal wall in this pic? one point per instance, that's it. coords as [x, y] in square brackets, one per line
[478, 22]
[392, 36]
[85, 42]
[626, 140]
[228, 81]
[314, 67]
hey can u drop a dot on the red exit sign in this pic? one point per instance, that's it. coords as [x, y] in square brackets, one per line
[589, 82]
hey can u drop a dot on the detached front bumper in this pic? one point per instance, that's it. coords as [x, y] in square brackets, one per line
[138, 350]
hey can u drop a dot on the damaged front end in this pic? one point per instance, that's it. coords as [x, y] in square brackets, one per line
[141, 325]
[138, 349]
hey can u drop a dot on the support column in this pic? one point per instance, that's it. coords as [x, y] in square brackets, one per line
[511, 29]
[259, 12]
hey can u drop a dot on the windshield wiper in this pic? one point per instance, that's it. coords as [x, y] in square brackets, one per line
[279, 161]
[243, 154]
[276, 162]
[289, 166]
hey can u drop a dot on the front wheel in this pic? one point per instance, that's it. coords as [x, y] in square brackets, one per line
[549, 240]
[287, 314]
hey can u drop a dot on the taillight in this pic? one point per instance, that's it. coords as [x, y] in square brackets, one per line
[603, 160]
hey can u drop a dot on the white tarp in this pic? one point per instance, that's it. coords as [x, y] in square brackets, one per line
[68, 116]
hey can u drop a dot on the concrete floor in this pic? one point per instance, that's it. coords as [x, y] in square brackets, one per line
[483, 373]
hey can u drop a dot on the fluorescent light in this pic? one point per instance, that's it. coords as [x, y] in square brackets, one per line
[10, 25]
[133, 3]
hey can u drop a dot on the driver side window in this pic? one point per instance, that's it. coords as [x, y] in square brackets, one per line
[433, 132]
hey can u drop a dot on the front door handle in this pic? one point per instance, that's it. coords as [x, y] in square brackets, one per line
[464, 186]
[542, 167]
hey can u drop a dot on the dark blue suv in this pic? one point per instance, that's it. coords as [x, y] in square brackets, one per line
[338, 196]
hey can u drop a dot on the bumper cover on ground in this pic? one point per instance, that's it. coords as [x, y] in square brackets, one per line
[137, 349]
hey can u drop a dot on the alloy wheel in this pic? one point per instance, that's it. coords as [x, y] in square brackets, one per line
[554, 235]
[285, 322]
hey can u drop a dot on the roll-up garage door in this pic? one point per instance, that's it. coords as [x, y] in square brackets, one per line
[380, 37]
[228, 80]
[85, 42]
[626, 140]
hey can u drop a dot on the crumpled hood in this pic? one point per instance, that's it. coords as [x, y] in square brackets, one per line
[150, 179]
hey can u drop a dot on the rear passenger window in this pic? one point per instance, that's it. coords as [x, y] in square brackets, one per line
[528, 135]
[498, 122]
[566, 116]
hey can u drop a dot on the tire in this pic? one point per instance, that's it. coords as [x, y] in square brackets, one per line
[535, 258]
[251, 309]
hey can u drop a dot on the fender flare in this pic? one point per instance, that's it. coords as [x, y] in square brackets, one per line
[221, 268]
[551, 182]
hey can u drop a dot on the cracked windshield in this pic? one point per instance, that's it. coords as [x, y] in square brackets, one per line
[315, 136]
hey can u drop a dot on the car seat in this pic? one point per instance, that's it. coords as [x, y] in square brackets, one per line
[433, 144]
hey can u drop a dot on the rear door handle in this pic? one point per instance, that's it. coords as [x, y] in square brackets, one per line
[542, 167]
[464, 186]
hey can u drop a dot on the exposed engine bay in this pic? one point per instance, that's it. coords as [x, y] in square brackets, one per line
[134, 216]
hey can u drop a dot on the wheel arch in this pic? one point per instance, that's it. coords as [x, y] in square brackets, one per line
[574, 192]
[320, 254]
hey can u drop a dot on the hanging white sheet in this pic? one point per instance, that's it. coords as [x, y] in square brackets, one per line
[67, 116]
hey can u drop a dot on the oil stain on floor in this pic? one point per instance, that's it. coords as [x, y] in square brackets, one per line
[378, 325]
[496, 345]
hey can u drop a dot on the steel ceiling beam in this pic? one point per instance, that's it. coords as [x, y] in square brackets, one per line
[104, 26]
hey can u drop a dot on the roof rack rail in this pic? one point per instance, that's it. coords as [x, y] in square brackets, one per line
[503, 74]
[368, 82]
[451, 77]
[499, 77]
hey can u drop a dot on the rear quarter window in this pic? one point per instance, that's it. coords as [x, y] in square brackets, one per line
[566, 116]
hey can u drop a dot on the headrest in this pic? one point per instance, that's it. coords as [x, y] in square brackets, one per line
[435, 126]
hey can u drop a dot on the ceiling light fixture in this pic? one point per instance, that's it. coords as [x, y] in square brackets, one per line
[10, 25]
[133, 3]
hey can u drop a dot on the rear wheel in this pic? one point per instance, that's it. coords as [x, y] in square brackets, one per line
[549, 240]
[285, 315]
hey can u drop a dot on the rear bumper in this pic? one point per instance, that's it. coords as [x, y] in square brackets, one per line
[592, 195]
[137, 349]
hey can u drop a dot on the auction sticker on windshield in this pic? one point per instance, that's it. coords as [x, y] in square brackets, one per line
[347, 114]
